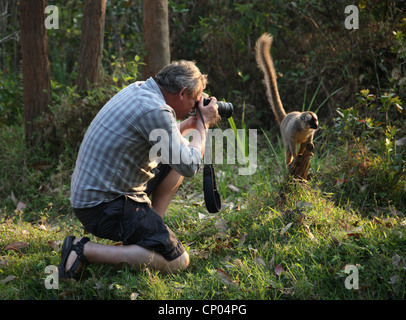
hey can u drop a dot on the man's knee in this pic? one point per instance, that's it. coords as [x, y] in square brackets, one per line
[180, 263]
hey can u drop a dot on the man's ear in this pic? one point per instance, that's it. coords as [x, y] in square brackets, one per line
[182, 93]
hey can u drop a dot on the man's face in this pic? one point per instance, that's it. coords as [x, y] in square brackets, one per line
[185, 103]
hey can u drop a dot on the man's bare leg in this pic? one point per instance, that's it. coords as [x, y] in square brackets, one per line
[163, 194]
[134, 255]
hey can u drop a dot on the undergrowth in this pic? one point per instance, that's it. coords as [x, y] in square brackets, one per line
[274, 239]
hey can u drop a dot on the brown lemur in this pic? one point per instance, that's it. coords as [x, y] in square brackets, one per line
[296, 127]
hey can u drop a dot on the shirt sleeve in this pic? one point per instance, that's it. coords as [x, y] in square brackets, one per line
[167, 143]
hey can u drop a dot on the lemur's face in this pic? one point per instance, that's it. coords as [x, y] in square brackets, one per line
[310, 120]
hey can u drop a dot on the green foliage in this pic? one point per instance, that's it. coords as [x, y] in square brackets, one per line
[71, 113]
[275, 238]
[11, 95]
[371, 165]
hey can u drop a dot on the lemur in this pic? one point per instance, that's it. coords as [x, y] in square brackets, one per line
[296, 127]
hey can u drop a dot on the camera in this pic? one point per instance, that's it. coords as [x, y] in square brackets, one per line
[225, 109]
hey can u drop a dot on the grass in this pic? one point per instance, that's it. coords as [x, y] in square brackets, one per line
[274, 239]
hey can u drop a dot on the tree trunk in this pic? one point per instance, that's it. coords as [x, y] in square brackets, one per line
[36, 78]
[299, 168]
[156, 36]
[91, 46]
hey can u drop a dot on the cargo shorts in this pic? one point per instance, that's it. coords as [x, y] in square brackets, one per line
[132, 222]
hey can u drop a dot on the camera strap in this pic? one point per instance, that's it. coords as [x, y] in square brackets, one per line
[211, 194]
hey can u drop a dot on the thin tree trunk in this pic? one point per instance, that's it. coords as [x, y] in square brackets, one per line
[299, 168]
[156, 36]
[36, 78]
[91, 46]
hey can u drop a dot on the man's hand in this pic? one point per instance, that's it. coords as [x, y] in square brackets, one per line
[209, 113]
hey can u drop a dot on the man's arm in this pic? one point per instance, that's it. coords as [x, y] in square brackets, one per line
[210, 116]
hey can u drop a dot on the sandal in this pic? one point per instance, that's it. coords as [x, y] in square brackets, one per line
[67, 248]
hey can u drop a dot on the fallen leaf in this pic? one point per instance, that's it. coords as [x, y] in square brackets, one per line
[303, 204]
[16, 246]
[227, 258]
[8, 279]
[13, 198]
[301, 218]
[225, 277]
[221, 235]
[115, 286]
[311, 236]
[43, 188]
[397, 261]
[233, 188]
[238, 262]
[230, 206]
[221, 225]
[21, 206]
[363, 188]
[98, 285]
[260, 261]
[204, 255]
[42, 227]
[278, 269]
[66, 294]
[242, 240]
[54, 244]
[393, 279]
[272, 262]
[283, 231]
[134, 296]
[201, 216]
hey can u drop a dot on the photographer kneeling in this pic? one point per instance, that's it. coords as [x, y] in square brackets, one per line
[117, 191]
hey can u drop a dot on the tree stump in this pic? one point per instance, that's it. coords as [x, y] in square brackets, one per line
[299, 167]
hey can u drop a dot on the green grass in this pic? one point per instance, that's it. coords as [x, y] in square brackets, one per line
[275, 238]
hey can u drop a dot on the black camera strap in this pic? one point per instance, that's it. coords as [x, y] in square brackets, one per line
[211, 194]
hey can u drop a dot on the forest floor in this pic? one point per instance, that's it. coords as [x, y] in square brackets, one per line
[274, 239]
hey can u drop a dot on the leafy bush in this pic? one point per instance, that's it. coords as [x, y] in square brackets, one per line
[11, 95]
[370, 167]
[64, 128]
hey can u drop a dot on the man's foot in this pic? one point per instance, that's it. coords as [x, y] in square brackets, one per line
[72, 258]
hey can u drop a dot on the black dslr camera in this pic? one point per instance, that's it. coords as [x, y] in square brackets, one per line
[225, 109]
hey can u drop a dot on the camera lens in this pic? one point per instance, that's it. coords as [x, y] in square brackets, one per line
[225, 109]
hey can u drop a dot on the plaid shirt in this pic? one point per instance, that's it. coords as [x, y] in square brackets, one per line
[114, 157]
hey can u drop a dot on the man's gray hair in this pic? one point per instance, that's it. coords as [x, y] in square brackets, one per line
[180, 74]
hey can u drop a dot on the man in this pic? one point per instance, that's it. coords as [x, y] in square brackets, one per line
[117, 191]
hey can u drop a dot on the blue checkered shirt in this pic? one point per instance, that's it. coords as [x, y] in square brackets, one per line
[114, 158]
